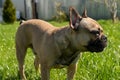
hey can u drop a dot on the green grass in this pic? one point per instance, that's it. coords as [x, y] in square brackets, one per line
[91, 66]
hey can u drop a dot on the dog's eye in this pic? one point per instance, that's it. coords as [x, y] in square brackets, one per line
[95, 32]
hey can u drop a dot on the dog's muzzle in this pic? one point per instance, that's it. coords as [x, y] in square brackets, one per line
[97, 45]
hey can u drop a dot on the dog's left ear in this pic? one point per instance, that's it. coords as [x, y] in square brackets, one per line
[74, 18]
[84, 15]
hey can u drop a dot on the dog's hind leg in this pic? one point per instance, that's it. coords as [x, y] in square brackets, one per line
[20, 54]
[45, 71]
[36, 63]
[36, 60]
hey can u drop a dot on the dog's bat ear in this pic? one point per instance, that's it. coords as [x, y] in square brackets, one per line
[84, 15]
[74, 18]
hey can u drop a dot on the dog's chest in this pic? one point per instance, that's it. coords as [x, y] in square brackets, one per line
[66, 59]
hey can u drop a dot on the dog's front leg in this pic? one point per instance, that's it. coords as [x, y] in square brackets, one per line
[71, 71]
[45, 72]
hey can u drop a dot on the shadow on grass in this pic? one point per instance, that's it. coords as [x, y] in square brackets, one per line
[9, 77]
[17, 77]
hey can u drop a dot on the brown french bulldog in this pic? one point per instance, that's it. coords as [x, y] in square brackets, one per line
[58, 47]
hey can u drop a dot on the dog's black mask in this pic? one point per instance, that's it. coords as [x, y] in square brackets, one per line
[97, 45]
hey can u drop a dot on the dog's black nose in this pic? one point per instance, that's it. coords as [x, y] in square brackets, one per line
[104, 38]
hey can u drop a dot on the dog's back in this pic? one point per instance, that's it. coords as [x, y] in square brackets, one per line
[29, 30]
[37, 23]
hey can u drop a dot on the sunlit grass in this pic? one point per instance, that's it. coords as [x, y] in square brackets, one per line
[91, 66]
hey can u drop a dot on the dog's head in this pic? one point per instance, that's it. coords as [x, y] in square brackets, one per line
[87, 34]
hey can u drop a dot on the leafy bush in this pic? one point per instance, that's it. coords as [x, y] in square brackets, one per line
[9, 12]
[61, 16]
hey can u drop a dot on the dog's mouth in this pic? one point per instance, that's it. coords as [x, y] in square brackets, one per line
[97, 45]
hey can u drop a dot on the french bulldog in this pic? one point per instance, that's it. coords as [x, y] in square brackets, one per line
[58, 47]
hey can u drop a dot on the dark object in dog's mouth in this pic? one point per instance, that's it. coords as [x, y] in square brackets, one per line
[97, 46]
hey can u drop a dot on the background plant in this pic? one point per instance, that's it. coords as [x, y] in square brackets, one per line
[60, 16]
[9, 12]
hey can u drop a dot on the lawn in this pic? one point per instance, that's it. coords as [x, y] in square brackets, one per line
[91, 66]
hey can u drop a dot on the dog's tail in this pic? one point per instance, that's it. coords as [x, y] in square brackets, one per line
[22, 21]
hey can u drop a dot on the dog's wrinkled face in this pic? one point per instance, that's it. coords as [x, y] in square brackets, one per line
[98, 40]
[87, 33]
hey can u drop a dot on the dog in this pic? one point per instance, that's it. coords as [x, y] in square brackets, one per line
[58, 47]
